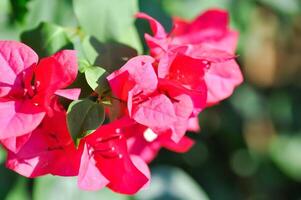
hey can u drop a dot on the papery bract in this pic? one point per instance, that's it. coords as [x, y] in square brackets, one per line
[209, 30]
[149, 102]
[28, 86]
[193, 124]
[49, 150]
[146, 144]
[106, 162]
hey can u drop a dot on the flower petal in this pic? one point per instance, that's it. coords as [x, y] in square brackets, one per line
[89, 177]
[138, 72]
[55, 72]
[157, 113]
[187, 71]
[193, 124]
[18, 118]
[68, 62]
[181, 147]
[138, 145]
[215, 18]
[199, 97]
[157, 28]
[15, 58]
[158, 42]
[14, 144]
[141, 71]
[209, 26]
[183, 109]
[49, 150]
[221, 80]
[143, 167]
[113, 160]
[72, 94]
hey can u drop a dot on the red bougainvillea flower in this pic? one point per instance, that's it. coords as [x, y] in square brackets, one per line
[211, 28]
[49, 150]
[143, 142]
[27, 86]
[160, 105]
[106, 161]
[209, 33]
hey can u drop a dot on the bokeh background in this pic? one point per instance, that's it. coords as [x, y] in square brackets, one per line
[249, 146]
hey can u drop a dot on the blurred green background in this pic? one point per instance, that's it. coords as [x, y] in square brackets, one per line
[249, 146]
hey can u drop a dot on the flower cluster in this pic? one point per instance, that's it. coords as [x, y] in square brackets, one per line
[158, 98]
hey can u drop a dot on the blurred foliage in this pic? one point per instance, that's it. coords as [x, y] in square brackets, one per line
[109, 20]
[171, 183]
[249, 146]
[19, 9]
[47, 39]
[48, 188]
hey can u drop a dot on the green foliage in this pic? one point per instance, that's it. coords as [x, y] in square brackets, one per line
[167, 183]
[285, 152]
[172, 183]
[84, 116]
[7, 181]
[109, 20]
[97, 60]
[19, 8]
[47, 39]
[2, 155]
[54, 11]
[93, 75]
[284, 6]
[19, 190]
[112, 56]
[48, 188]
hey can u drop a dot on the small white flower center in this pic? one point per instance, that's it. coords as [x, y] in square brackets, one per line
[149, 135]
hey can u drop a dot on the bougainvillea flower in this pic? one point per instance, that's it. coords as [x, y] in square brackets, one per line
[143, 142]
[209, 30]
[106, 161]
[202, 69]
[161, 106]
[27, 86]
[49, 150]
[186, 75]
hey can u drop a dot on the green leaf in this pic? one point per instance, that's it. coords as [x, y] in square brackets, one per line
[47, 39]
[55, 11]
[172, 183]
[83, 65]
[84, 116]
[2, 155]
[19, 190]
[111, 56]
[19, 9]
[94, 75]
[80, 82]
[284, 6]
[109, 20]
[65, 188]
[85, 50]
[7, 181]
[285, 152]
